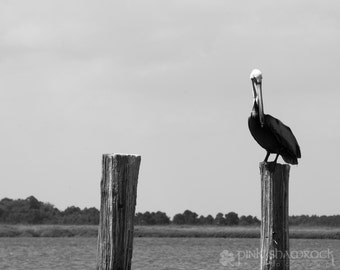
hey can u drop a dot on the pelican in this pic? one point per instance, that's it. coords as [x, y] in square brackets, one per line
[269, 132]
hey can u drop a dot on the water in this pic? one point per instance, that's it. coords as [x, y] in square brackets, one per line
[163, 253]
[47, 253]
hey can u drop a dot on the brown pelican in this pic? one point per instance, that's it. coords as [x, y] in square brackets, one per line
[269, 132]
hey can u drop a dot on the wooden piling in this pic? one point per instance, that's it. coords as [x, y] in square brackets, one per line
[274, 216]
[117, 211]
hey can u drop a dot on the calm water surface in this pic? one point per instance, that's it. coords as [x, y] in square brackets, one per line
[163, 253]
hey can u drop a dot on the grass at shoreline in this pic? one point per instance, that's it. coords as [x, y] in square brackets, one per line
[163, 231]
[7, 230]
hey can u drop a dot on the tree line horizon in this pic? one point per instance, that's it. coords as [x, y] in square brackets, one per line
[33, 211]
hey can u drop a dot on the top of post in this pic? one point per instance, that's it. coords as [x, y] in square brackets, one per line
[117, 157]
[273, 167]
[121, 155]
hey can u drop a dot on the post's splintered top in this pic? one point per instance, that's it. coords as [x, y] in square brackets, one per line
[273, 167]
[121, 154]
[118, 158]
[264, 163]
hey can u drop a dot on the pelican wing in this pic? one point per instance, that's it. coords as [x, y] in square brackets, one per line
[284, 135]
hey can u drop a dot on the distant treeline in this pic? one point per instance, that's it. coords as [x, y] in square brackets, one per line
[191, 218]
[32, 211]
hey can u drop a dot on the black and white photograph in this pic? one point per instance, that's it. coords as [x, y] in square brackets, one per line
[169, 135]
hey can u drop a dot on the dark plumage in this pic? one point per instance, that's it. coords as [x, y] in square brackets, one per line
[269, 132]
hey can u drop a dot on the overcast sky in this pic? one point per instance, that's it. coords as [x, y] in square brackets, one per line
[168, 80]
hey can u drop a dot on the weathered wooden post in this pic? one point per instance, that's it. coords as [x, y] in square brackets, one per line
[117, 210]
[274, 215]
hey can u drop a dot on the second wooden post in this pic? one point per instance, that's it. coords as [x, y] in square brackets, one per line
[274, 216]
[117, 210]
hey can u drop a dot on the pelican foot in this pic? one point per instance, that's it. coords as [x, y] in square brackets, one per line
[271, 166]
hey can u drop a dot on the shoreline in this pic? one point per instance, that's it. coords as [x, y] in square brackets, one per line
[296, 232]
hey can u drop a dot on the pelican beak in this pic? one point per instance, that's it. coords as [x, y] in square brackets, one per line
[258, 99]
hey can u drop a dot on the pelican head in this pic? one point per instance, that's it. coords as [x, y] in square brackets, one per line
[256, 79]
[256, 75]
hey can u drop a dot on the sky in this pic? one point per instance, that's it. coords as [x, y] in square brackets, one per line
[168, 80]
